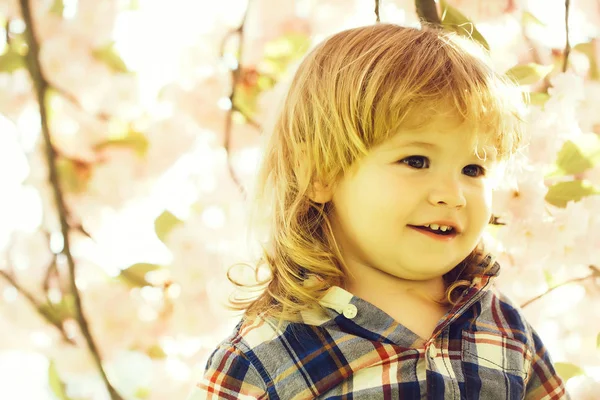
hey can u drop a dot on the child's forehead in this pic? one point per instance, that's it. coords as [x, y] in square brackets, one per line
[437, 134]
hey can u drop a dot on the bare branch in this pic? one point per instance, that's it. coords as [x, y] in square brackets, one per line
[595, 274]
[7, 31]
[249, 119]
[495, 220]
[37, 305]
[71, 98]
[41, 88]
[377, 18]
[568, 43]
[236, 76]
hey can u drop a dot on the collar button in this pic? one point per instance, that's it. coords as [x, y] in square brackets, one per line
[432, 351]
[350, 311]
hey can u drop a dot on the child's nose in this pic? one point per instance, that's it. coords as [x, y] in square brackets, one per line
[447, 192]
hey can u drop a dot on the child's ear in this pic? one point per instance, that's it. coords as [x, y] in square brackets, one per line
[320, 193]
[316, 191]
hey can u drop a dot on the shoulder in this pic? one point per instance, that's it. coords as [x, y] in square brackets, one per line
[253, 360]
[232, 370]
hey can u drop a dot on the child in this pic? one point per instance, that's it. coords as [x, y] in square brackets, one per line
[379, 173]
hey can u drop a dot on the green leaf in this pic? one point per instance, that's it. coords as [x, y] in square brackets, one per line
[11, 61]
[246, 99]
[427, 11]
[131, 5]
[132, 139]
[529, 18]
[494, 230]
[589, 50]
[538, 98]
[550, 280]
[58, 312]
[73, 175]
[567, 370]
[577, 156]
[57, 386]
[49, 312]
[573, 159]
[281, 52]
[164, 224]
[156, 352]
[561, 193]
[136, 274]
[454, 20]
[57, 8]
[110, 57]
[527, 74]
[142, 393]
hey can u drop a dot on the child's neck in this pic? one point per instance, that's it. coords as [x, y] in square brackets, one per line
[375, 284]
[410, 303]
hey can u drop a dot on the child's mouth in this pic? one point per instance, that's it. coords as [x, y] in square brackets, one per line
[435, 233]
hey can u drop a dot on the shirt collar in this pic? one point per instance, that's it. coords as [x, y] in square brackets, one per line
[341, 306]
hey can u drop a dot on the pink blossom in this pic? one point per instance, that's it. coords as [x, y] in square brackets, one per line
[584, 388]
[589, 118]
[525, 201]
[484, 11]
[168, 140]
[16, 92]
[112, 182]
[10, 9]
[95, 21]
[68, 63]
[201, 101]
[566, 87]
[544, 138]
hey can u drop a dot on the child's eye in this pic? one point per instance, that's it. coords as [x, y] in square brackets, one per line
[417, 162]
[474, 170]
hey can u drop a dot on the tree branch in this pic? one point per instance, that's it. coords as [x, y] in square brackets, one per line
[7, 31]
[377, 19]
[495, 220]
[568, 43]
[427, 12]
[52, 270]
[71, 98]
[37, 305]
[236, 76]
[41, 87]
[248, 118]
[595, 273]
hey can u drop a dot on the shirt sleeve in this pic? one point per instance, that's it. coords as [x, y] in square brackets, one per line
[229, 375]
[544, 382]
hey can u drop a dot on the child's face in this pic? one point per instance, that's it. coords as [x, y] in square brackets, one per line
[401, 185]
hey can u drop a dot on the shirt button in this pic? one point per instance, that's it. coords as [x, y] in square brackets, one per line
[350, 311]
[432, 351]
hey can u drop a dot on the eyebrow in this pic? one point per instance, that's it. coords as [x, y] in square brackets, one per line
[412, 143]
[420, 144]
[428, 145]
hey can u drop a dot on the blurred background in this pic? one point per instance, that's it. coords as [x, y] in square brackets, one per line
[130, 132]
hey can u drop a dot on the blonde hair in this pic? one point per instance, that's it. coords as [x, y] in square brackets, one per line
[353, 91]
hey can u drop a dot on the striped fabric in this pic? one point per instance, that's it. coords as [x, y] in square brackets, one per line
[483, 349]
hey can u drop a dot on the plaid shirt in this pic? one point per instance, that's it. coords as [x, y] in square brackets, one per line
[482, 349]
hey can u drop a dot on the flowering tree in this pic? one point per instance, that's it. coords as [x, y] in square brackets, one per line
[130, 135]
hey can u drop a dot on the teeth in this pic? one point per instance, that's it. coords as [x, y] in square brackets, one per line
[437, 227]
